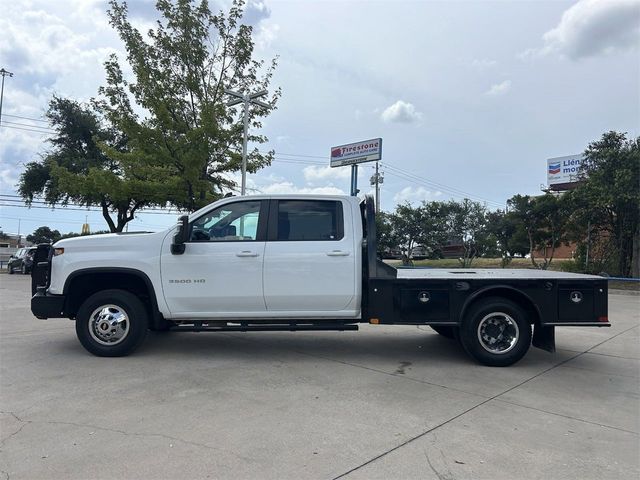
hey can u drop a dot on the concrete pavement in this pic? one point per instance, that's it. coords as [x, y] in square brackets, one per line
[384, 402]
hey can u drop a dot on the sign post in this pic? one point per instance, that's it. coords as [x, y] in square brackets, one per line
[354, 180]
[355, 153]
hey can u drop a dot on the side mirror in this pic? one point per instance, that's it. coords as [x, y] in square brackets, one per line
[181, 236]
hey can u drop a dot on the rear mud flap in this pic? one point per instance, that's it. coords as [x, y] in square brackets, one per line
[544, 338]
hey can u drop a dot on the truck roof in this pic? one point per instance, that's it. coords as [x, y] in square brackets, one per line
[280, 196]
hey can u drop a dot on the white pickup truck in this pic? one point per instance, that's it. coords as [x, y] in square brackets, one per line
[294, 262]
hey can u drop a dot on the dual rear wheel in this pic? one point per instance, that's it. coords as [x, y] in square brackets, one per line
[495, 332]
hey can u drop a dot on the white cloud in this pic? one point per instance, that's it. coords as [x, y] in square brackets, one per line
[499, 88]
[255, 11]
[8, 179]
[415, 194]
[401, 112]
[593, 27]
[265, 34]
[314, 174]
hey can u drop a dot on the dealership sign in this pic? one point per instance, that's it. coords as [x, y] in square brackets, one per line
[360, 152]
[564, 170]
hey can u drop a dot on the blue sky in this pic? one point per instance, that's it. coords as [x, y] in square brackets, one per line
[470, 98]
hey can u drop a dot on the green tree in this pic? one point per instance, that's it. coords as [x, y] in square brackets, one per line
[406, 229]
[385, 234]
[467, 222]
[433, 224]
[607, 202]
[501, 229]
[44, 234]
[173, 113]
[77, 169]
[544, 219]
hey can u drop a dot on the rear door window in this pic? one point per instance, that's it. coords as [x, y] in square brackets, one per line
[308, 220]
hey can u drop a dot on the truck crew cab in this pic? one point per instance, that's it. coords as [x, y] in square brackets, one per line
[295, 262]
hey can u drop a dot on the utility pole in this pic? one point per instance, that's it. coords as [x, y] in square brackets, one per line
[4, 73]
[246, 99]
[377, 180]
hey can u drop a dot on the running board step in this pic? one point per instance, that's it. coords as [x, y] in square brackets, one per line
[204, 327]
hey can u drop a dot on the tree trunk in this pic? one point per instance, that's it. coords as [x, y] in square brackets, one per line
[531, 247]
[107, 217]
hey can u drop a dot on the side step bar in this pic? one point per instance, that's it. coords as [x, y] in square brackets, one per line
[245, 327]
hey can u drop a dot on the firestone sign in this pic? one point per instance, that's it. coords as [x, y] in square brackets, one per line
[564, 170]
[353, 153]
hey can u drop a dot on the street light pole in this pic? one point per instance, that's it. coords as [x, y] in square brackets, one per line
[246, 99]
[4, 73]
[244, 145]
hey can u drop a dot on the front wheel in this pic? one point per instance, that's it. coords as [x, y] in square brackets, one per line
[111, 323]
[496, 332]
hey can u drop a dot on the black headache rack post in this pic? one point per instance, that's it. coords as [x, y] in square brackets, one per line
[375, 267]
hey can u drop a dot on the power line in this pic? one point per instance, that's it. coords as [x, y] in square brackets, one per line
[297, 159]
[26, 129]
[399, 173]
[19, 199]
[73, 222]
[297, 155]
[27, 118]
[138, 212]
[29, 125]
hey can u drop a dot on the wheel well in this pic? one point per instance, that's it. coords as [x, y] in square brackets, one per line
[82, 286]
[510, 294]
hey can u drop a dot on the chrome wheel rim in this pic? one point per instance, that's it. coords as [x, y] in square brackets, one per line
[498, 333]
[109, 325]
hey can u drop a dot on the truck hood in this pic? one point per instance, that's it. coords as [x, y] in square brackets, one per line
[108, 241]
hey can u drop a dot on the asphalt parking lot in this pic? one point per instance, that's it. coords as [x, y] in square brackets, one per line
[384, 402]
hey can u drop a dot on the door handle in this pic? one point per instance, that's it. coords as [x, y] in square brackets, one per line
[246, 253]
[337, 253]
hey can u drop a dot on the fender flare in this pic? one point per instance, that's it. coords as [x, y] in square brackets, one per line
[486, 290]
[155, 311]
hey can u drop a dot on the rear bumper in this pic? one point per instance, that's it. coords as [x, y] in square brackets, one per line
[44, 305]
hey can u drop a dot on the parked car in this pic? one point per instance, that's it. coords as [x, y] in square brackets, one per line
[392, 253]
[21, 261]
[418, 253]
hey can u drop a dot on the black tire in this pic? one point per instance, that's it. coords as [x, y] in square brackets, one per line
[9, 269]
[446, 331]
[23, 269]
[115, 303]
[510, 343]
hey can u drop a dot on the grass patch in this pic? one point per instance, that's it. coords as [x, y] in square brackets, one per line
[618, 285]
